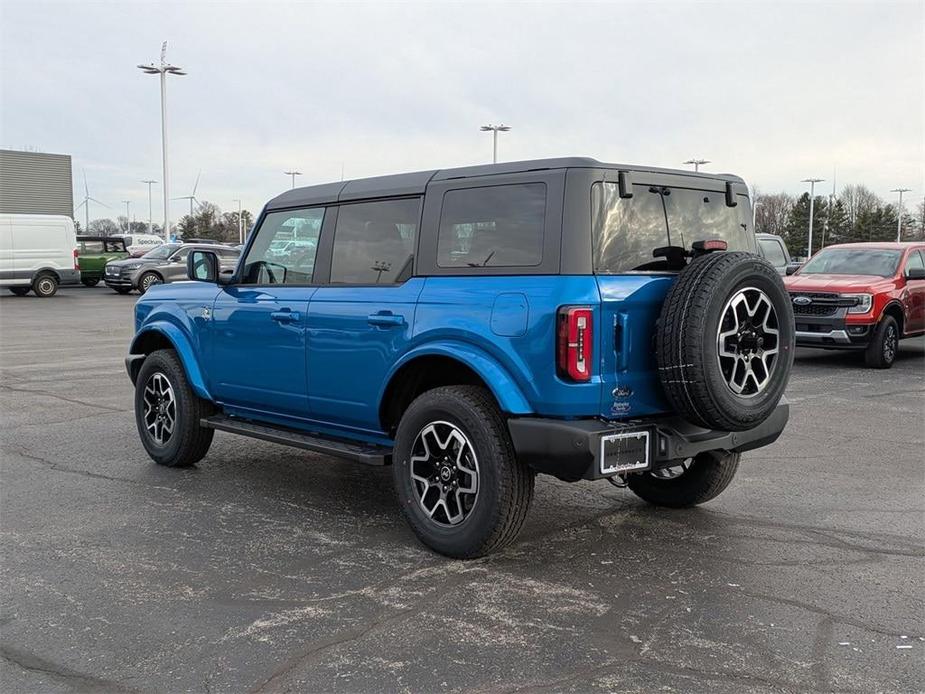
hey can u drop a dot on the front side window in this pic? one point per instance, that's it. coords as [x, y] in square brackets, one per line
[627, 230]
[772, 252]
[374, 241]
[879, 262]
[495, 226]
[914, 261]
[284, 250]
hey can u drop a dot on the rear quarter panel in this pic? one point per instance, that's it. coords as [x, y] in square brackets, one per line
[512, 320]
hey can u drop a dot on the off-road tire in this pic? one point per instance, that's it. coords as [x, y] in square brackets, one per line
[45, 285]
[884, 344]
[88, 282]
[148, 280]
[20, 291]
[505, 484]
[686, 341]
[708, 475]
[189, 442]
[122, 290]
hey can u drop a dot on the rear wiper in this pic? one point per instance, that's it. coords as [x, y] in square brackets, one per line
[483, 263]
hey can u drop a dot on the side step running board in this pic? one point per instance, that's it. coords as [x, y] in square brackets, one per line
[369, 454]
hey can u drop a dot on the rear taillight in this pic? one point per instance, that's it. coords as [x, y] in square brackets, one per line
[575, 332]
[76, 260]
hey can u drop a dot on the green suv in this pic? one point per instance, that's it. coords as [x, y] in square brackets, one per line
[94, 252]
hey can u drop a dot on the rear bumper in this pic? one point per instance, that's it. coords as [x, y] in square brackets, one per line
[575, 449]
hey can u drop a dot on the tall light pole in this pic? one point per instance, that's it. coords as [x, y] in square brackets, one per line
[293, 174]
[163, 70]
[128, 218]
[150, 208]
[697, 163]
[240, 223]
[812, 200]
[899, 220]
[494, 130]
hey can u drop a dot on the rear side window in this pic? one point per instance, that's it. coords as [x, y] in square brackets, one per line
[772, 252]
[627, 230]
[91, 247]
[496, 226]
[374, 241]
[115, 246]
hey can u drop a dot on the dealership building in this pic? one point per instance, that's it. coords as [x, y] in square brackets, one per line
[35, 183]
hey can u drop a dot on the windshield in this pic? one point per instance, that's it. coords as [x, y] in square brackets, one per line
[881, 262]
[627, 230]
[161, 252]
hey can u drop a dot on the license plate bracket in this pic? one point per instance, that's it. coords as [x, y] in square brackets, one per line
[625, 452]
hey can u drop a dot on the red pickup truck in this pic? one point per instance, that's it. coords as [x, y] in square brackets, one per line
[864, 296]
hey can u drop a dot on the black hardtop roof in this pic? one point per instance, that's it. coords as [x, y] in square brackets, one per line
[415, 183]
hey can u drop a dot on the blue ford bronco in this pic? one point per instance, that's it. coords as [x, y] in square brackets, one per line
[475, 326]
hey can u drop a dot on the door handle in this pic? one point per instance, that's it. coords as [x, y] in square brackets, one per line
[285, 316]
[385, 320]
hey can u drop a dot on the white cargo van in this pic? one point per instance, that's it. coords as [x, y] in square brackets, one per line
[37, 252]
[139, 244]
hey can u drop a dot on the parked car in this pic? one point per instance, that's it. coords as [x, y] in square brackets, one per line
[773, 249]
[38, 252]
[164, 264]
[139, 244]
[863, 296]
[95, 252]
[475, 326]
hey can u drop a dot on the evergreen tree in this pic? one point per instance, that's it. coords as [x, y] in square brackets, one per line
[796, 233]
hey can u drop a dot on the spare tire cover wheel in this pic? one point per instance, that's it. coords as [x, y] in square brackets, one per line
[725, 341]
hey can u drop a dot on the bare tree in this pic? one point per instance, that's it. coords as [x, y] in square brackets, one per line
[859, 200]
[772, 213]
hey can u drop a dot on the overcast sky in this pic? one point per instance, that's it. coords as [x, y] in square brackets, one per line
[773, 91]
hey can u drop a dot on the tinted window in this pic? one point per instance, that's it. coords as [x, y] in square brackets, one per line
[285, 247]
[374, 242]
[91, 247]
[772, 252]
[228, 253]
[627, 230]
[497, 226]
[881, 262]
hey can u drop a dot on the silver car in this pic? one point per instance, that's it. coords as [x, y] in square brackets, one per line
[166, 263]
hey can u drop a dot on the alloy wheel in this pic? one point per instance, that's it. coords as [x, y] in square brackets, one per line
[444, 473]
[160, 408]
[889, 344]
[748, 342]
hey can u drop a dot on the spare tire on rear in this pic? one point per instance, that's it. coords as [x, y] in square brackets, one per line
[725, 341]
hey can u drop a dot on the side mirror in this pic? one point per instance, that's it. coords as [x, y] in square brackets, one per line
[792, 267]
[202, 266]
[915, 273]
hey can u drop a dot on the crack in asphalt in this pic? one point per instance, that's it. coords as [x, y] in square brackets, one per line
[80, 681]
[51, 465]
[56, 396]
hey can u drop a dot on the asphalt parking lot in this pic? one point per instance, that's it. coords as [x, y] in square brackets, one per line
[270, 569]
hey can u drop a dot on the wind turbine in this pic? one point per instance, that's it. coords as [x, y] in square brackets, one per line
[86, 204]
[192, 196]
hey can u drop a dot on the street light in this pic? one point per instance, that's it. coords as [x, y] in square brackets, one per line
[812, 200]
[150, 208]
[163, 70]
[293, 174]
[240, 223]
[494, 130]
[697, 163]
[899, 221]
[128, 219]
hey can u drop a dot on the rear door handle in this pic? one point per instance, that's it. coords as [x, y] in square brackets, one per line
[286, 316]
[385, 320]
